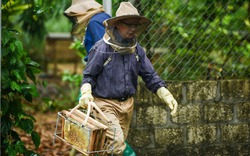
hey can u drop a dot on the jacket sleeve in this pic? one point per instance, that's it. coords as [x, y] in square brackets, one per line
[150, 77]
[94, 65]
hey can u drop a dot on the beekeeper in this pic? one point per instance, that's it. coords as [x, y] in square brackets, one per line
[87, 17]
[111, 75]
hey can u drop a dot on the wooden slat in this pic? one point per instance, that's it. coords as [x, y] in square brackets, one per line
[79, 120]
[92, 140]
[102, 140]
[62, 132]
[91, 120]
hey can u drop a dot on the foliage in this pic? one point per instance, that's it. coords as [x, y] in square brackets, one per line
[206, 39]
[74, 80]
[62, 25]
[60, 96]
[65, 99]
[31, 15]
[79, 48]
[18, 77]
[34, 19]
[74, 83]
[57, 22]
[17, 72]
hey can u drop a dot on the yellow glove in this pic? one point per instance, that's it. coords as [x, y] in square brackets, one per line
[164, 94]
[86, 95]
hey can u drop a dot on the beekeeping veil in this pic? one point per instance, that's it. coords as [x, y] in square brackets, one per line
[80, 13]
[125, 11]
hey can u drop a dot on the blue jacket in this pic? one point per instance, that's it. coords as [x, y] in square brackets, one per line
[95, 31]
[119, 77]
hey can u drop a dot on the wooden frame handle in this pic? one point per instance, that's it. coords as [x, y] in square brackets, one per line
[89, 109]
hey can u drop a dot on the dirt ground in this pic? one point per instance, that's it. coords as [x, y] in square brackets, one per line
[45, 125]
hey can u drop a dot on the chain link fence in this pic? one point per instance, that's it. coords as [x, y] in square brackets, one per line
[197, 40]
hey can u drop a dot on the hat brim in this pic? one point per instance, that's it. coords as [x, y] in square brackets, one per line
[140, 19]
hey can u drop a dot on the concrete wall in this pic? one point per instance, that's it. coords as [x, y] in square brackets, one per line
[213, 118]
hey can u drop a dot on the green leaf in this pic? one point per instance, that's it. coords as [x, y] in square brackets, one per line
[6, 36]
[33, 63]
[31, 89]
[5, 51]
[15, 86]
[34, 91]
[4, 142]
[20, 116]
[31, 117]
[18, 45]
[14, 135]
[35, 138]
[6, 125]
[12, 47]
[4, 74]
[27, 125]
[16, 106]
[25, 86]
[20, 147]
[28, 97]
[11, 150]
[4, 106]
[45, 83]
[31, 75]
[34, 69]
[16, 73]
[13, 60]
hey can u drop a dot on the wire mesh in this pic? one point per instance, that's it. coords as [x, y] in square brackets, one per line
[194, 40]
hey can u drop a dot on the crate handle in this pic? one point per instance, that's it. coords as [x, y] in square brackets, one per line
[90, 104]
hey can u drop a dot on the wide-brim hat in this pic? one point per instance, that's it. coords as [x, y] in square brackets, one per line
[82, 6]
[127, 10]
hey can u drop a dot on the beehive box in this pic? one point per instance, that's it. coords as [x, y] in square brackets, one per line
[88, 139]
[77, 135]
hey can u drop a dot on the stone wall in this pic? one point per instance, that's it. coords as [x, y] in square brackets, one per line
[213, 118]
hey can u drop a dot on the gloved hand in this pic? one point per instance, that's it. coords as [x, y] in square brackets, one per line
[164, 94]
[86, 95]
